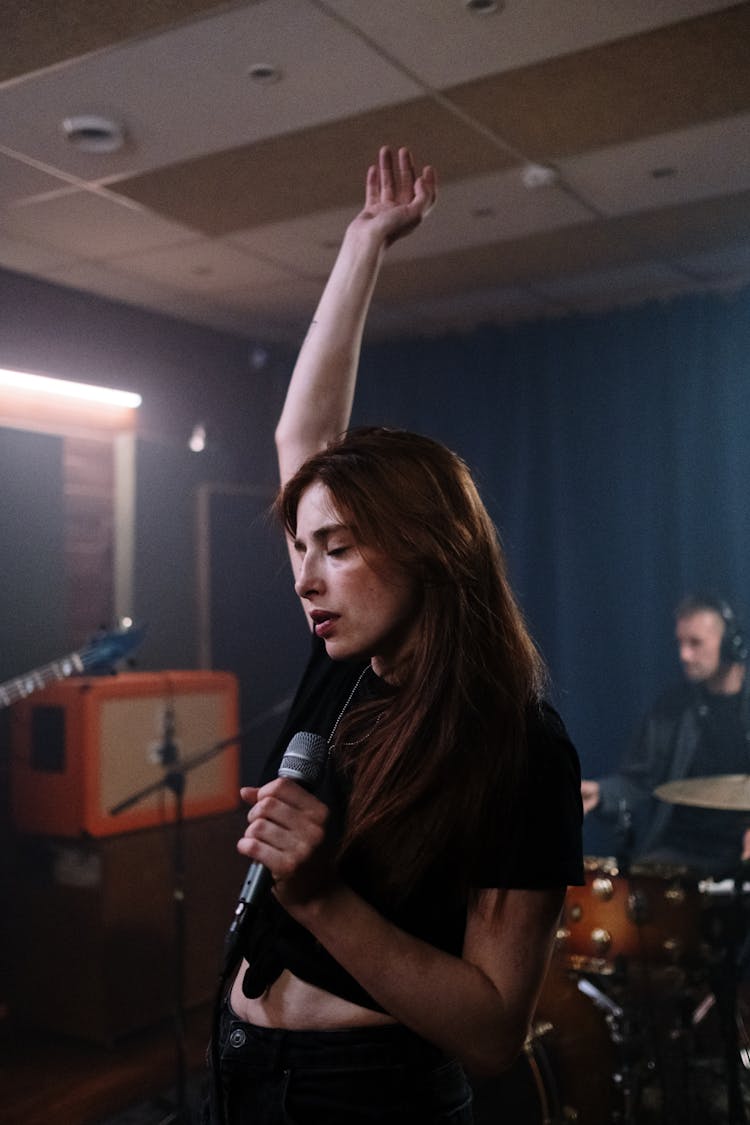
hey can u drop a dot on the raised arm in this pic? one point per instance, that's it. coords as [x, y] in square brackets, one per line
[319, 400]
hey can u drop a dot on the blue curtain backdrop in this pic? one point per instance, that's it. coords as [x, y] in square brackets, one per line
[614, 455]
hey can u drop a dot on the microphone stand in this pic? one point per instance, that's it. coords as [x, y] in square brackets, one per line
[728, 975]
[174, 780]
[625, 837]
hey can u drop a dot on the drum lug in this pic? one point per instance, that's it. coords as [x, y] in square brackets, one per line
[675, 894]
[601, 939]
[673, 948]
[603, 889]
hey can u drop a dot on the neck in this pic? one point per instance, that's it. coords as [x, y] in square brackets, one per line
[727, 681]
[393, 672]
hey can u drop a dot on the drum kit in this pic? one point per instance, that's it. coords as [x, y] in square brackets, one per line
[640, 1021]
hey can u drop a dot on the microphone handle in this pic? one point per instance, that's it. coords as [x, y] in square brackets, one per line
[303, 762]
[257, 881]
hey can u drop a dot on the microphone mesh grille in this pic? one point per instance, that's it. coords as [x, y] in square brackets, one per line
[304, 758]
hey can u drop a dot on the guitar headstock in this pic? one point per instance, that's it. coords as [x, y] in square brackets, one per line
[105, 650]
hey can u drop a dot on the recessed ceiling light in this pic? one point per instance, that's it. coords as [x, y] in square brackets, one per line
[484, 7]
[93, 133]
[264, 73]
[663, 173]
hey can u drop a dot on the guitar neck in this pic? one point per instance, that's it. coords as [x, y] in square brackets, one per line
[19, 688]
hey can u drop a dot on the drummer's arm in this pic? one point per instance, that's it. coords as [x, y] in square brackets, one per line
[642, 768]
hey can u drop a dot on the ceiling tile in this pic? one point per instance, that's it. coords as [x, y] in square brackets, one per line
[147, 85]
[648, 84]
[23, 256]
[19, 179]
[298, 173]
[37, 34]
[90, 225]
[443, 43]
[203, 266]
[708, 160]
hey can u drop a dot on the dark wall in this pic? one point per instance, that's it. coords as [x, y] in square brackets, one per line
[186, 374]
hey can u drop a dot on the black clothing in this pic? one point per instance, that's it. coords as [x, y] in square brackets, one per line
[357, 1076]
[689, 732]
[546, 851]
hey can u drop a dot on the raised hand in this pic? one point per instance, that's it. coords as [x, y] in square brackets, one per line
[396, 199]
[319, 399]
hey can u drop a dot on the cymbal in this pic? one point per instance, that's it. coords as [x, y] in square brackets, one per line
[724, 791]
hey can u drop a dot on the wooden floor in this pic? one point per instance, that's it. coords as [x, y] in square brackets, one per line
[47, 1078]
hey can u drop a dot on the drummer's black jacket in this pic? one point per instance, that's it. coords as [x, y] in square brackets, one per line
[677, 739]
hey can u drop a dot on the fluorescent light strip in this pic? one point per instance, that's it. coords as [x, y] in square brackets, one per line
[41, 384]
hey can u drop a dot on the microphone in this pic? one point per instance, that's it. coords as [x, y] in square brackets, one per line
[303, 762]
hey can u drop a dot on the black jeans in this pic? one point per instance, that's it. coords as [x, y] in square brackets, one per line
[351, 1077]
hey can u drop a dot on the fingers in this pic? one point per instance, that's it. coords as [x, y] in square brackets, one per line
[395, 181]
[425, 189]
[285, 826]
[406, 175]
[387, 175]
[372, 187]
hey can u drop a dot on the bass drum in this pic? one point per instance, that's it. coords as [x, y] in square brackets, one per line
[566, 1071]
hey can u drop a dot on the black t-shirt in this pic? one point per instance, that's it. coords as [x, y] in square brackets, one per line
[546, 850]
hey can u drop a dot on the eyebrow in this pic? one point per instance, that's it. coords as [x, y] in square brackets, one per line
[321, 534]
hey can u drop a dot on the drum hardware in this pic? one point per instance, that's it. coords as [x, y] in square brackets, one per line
[644, 943]
[601, 940]
[652, 913]
[601, 1000]
[603, 888]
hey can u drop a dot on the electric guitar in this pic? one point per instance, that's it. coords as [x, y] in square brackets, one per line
[101, 653]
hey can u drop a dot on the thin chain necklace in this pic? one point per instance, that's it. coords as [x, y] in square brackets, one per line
[350, 697]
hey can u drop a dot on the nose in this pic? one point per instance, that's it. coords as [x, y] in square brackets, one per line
[308, 582]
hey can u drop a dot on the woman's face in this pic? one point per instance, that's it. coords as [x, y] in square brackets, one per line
[359, 602]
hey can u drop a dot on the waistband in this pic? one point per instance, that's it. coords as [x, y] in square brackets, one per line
[385, 1045]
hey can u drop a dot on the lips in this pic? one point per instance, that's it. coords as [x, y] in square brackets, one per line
[323, 621]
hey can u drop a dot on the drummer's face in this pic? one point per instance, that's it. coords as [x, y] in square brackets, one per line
[699, 644]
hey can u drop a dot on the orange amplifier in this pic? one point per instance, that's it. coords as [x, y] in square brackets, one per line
[84, 746]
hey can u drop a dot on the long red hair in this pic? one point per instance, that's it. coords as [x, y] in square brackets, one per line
[426, 779]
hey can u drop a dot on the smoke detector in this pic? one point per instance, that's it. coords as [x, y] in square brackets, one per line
[539, 176]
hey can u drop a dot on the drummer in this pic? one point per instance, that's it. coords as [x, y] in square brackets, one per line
[698, 728]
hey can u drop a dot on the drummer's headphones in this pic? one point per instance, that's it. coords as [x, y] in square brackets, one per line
[734, 649]
[733, 646]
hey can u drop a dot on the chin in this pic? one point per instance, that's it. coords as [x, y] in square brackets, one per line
[340, 651]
